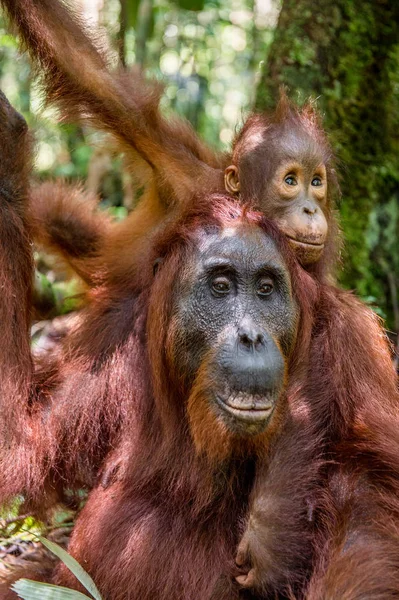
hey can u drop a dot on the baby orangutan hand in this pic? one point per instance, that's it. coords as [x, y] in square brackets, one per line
[247, 574]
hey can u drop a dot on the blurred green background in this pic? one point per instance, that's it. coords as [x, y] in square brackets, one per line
[219, 59]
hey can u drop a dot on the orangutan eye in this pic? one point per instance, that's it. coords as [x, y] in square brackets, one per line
[265, 287]
[316, 181]
[221, 286]
[291, 180]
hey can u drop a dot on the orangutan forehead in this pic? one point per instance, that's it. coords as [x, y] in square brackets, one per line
[290, 141]
[299, 145]
[240, 243]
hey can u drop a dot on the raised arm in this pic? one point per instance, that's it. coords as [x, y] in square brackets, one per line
[77, 77]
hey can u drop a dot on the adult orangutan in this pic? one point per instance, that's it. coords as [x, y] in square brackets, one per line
[256, 332]
[232, 383]
[282, 164]
[322, 464]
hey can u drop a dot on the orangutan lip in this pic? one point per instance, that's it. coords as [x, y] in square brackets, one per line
[251, 412]
[305, 244]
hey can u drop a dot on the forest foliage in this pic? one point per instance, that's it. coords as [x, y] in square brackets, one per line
[220, 59]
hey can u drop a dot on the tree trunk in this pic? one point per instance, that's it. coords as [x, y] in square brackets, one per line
[123, 18]
[143, 29]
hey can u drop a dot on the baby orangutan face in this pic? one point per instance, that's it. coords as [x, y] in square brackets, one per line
[286, 179]
[297, 199]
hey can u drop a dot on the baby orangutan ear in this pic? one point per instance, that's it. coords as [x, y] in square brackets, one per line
[231, 181]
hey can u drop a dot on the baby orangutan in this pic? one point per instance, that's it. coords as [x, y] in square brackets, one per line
[282, 165]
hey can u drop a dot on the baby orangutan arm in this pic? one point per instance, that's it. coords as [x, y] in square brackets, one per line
[275, 552]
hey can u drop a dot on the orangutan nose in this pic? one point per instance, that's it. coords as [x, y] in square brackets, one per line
[250, 337]
[251, 360]
[310, 209]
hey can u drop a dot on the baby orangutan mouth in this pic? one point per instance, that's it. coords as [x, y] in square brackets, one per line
[246, 407]
[306, 242]
[307, 250]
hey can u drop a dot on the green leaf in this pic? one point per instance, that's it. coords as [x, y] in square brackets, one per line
[35, 590]
[73, 566]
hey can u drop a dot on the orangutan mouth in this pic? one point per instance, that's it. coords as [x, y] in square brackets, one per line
[246, 407]
[305, 244]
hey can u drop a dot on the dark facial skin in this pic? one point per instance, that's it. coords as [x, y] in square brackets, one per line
[235, 308]
[294, 191]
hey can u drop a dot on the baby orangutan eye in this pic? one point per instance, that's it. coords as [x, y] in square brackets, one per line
[290, 180]
[265, 288]
[316, 181]
[221, 286]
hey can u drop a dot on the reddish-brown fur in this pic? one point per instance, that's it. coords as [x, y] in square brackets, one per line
[16, 274]
[131, 370]
[344, 392]
[171, 522]
[65, 219]
[343, 405]
[355, 504]
[201, 500]
[126, 107]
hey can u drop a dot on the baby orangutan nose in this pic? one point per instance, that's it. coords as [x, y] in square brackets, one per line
[252, 369]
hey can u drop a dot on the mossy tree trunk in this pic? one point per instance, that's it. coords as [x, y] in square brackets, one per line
[347, 53]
